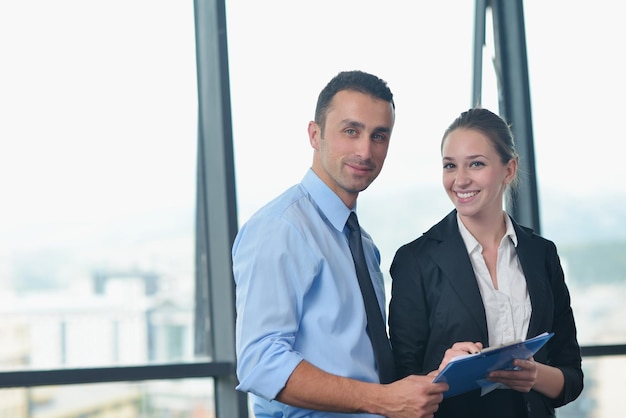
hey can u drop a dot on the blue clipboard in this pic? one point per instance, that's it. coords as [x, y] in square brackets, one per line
[465, 373]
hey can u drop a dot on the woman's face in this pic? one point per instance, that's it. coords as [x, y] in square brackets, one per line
[473, 174]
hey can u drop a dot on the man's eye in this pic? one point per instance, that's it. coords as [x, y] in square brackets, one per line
[351, 131]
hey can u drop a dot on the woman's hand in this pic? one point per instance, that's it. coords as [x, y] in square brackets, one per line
[459, 349]
[522, 379]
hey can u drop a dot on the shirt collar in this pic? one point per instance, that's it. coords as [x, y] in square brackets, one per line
[472, 244]
[329, 204]
[510, 231]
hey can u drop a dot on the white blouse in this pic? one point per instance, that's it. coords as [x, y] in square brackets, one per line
[507, 308]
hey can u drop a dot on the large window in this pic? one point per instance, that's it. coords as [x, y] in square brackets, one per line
[279, 65]
[97, 173]
[98, 138]
[425, 55]
[98, 159]
[577, 86]
[155, 398]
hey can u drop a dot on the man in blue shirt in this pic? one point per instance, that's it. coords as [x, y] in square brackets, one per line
[302, 345]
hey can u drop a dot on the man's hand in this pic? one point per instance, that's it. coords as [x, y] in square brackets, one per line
[413, 396]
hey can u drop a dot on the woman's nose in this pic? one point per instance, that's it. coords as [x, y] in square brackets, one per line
[462, 178]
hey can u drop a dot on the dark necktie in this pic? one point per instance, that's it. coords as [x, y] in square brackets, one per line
[375, 324]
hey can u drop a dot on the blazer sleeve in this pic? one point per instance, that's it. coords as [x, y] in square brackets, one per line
[563, 349]
[408, 313]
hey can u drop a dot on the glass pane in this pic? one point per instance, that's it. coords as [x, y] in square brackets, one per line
[428, 70]
[577, 87]
[603, 395]
[97, 172]
[425, 55]
[188, 398]
[282, 53]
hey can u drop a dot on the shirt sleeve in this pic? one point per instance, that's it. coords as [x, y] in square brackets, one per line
[272, 267]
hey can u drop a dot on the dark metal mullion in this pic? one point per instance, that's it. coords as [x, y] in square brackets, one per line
[515, 107]
[32, 378]
[219, 211]
[603, 350]
[479, 44]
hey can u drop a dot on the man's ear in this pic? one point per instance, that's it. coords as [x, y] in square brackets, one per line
[315, 135]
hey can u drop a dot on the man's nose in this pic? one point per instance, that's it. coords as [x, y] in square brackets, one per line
[364, 147]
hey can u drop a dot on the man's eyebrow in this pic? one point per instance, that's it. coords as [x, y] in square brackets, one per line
[384, 129]
[356, 124]
[353, 123]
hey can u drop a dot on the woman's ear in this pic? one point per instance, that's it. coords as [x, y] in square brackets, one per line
[511, 171]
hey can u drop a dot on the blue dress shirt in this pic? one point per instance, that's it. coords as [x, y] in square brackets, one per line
[298, 296]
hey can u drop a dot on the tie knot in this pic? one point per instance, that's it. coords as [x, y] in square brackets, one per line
[353, 223]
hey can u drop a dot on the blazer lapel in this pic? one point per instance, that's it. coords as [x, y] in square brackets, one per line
[452, 258]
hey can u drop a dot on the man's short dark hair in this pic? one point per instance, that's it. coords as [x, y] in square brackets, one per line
[351, 80]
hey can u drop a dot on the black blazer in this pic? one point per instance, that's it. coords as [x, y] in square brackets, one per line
[435, 302]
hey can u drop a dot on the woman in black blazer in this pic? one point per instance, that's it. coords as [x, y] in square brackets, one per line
[478, 279]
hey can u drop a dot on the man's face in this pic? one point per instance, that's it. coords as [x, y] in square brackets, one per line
[350, 153]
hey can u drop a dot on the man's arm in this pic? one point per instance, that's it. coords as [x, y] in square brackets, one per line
[311, 388]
